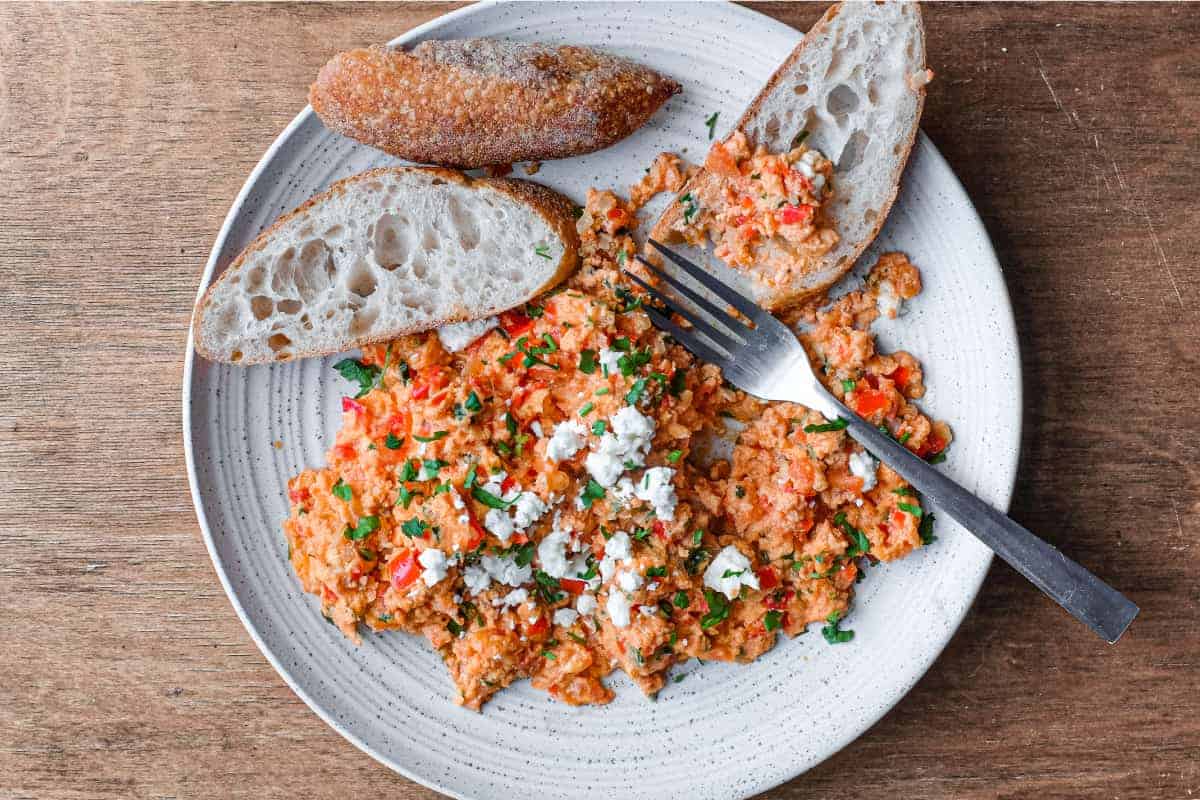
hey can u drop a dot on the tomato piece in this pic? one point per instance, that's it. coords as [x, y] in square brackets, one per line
[350, 404]
[615, 213]
[767, 579]
[869, 401]
[900, 376]
[571, 585]
[660, 530]
[932, 445]
[405, 569]
[806, 526]
[520, 538]
[795, 215]
[420, 391]
[778, 600]
[398, 422]
[298, 497]
[344, 451]
[540, 626]
[507, 484]
[515, 322]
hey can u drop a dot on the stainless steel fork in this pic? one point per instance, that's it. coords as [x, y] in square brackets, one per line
[761, 355]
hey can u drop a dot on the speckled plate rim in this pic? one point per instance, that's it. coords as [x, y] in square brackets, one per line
[972, 583]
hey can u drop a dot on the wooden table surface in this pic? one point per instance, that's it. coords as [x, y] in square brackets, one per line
[126, 132]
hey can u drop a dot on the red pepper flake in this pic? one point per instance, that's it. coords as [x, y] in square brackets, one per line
[660, 530]
[515, 323]
[405, 569]
[350, 404]
[795, 215]
[767, 579]
[344, 451]
[573, 586]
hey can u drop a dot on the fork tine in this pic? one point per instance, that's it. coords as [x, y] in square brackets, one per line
[720, 338]
[689, 340]
[734, 324]
[698, 274]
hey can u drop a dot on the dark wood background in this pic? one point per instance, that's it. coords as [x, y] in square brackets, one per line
[125, 133]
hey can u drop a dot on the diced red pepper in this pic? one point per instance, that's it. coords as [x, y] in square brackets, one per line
[767, 579]
[298, 497]
[405, 569]
[778, 601]
[660, 530]
[540, 626]
[507, 484]
[515, 323]
[573, 586]
[794, 215]
[350, 404]
[420, 391]
[868, 401]
[398, 422]
[932, 445]
[344, 451]
[741, 219]
[615, 213]
[900, 376]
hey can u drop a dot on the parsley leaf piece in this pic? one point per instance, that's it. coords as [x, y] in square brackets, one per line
[681, 599]
[837, 425]
[342, 490]
[433, 437]
[392, 442]
[832, 633]
[592, 492]
[358, 372]
[598, 427]
[364, 527]
[772, 620]
[678, 382]
[635, 394]
[674, 456]
[925, 530]
[915, 510]
[718, 609]
[711, 122]
[586, 409]
[587, 362]
[414, 528]
[472, 403]
[488, 499]
[543, 250]
[847, 386]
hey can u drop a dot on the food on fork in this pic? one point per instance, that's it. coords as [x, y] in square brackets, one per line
[477, 102]
[842, 114]
[384, 253]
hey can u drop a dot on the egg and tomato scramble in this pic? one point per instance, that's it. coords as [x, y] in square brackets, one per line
[528, 498]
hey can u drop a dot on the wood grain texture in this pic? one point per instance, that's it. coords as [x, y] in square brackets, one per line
[125, 133]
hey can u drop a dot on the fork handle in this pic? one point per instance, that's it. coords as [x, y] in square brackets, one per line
[1084, 596]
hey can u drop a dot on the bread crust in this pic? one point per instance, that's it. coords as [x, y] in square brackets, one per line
[476, 102]
[552, 207]
[665, 229]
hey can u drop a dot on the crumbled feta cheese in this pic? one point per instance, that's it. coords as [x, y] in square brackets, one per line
[604, 467]
[629, 580]
[634, 429]
[457, 500]
[495, 484]
[552, 553]
[628, 442]
[565, 617]
[818, 182]
[888, 302]
[569, 437]
[865, 467]
[503, 569]
[527, 510]
[477, 579]
[656, 488]
[652, 586]
[805, 168]
[648, 611]
[499, 524]
[536, 427]
[513, 599]
[608, 567]
[729, 572]
[618, 546]
[459, 335]
[810, 157]
[586, 604]
[428, 472]
[434, 562]
[618, 607]
[610, 361]
[622, 493]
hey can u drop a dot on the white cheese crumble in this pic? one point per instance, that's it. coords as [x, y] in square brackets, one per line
[536, 427]
[622, 493]
[628, 442]
[552, 553]
[618, 607]
[865, 467]
[889, 303]
[648, 611]
[477, 579]
[656, 488]
[435, 564]
[586, 604]
[569, 437]
[729, 572]
[610, 361]
[565, 617]
[499, 524]
[513, 599]
[630, 581]
[459, 335]
[503, 569]
[528, 509]
[618, 546]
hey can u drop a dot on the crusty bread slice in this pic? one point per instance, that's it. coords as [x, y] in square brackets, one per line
[383, 253]
[476, 102]
[856, 84]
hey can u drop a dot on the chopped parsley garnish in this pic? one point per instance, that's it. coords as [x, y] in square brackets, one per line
[576, 637]
[365, 526]
[632, 362]
[587, 361]
[603, 390]
[832, 633]
[366, 554]
[469, 480]
[847, 386]
[598, 427]
[718, 609]
[860, 544]
[622, 344]
[408, 472]
[691, 207]
[543, 250]
[925, 530]
[697, 536]
[433, 437]
[656, 572]
[733, 573]
[635, 394]
[587, 409]
[414, 528]
[937, 458]
[488, 499]
[549, 655]
[674, 456]
[915, 510]
[711, 122]
[534, 311]
[740, 491]
[342, 490]
[695, 560]
[472, 403]
[358, 372]
[678, 382]
[547, 587]
[903, 490]
[392, 442]
[551, 345]
[837, 425]
[510, 423]
[523, 555]
[591, 493]
[772, 620]
[681, 599]
[629, 301]
[454, 628]
[800, 137]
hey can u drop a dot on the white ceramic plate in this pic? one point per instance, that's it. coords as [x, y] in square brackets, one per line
[723, 731]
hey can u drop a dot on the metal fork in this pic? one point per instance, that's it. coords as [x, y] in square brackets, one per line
[762, 356]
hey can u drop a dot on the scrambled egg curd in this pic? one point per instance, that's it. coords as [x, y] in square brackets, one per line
[526, 495]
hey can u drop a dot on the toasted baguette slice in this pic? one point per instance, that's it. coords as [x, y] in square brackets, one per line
[385, 253]
[856, 84]
[476, 102]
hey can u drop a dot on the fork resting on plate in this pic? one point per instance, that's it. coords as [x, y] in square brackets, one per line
[762, 356]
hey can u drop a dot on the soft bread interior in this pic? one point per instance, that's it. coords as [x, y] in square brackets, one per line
[384, 253]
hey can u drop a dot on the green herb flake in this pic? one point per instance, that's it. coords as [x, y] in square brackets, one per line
[681, 599]
[587, 362]
[391, 442]
[342, 490]
[832, 633]
[433, 437]
[543, 250]
[674, 456]
[837, 425]
[925, 530]
[772, 620]
[364, 527]
[915, 510]
[697, 537]
[718, 609]
[598, 427]
[678, 382]
[711, 123]
[587, 409]
[358, 372]
[847, 386]
[635, 394]
[472, 403]
[488, 499]
[414, 528]
[592, 492]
